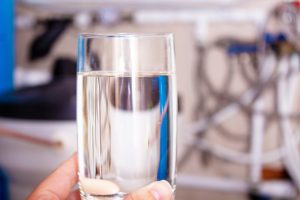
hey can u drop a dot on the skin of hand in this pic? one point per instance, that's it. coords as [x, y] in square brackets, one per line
[58, 186]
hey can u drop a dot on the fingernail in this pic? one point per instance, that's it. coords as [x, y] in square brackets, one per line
[161, 190]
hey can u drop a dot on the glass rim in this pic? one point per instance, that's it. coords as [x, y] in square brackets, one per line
[126, 35]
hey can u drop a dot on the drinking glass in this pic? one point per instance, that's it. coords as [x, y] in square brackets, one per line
[126, 113]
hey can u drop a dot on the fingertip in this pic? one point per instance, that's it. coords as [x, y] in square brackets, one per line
[167, 184]
[161, 190]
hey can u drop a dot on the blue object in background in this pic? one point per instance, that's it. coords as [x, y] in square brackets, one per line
[163, 162]
[6, 66]
[270, 38]
[237, 48]
[4, 193]
[6, 45]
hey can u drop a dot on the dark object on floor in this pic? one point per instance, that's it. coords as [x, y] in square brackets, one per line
[53, 101]
[63, 68]
[253, 195]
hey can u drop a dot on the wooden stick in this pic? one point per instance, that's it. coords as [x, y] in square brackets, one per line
[31, 139]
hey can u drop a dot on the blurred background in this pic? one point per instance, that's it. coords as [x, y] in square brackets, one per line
[238, 76]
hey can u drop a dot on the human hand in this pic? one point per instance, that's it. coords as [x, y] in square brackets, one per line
[59, 184]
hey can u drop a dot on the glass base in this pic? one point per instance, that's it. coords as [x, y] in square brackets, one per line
[118, 196]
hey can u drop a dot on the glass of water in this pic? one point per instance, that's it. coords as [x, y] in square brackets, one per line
[126, 113]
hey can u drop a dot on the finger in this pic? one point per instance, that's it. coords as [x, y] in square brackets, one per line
[74, 195]
[59, 184]
[156, 191]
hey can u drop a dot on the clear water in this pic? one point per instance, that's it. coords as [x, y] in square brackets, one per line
[126, 130]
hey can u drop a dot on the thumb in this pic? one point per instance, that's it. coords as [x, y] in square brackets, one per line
[155, 191]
